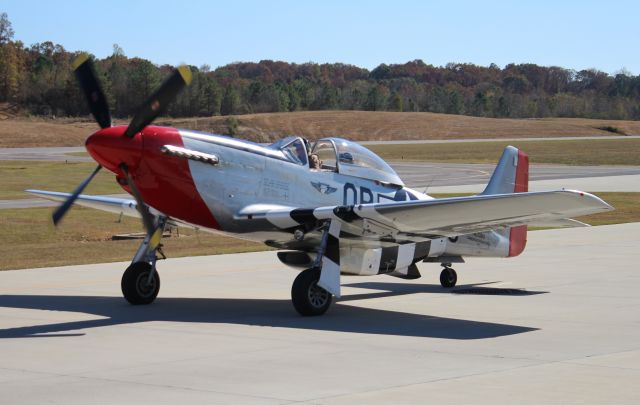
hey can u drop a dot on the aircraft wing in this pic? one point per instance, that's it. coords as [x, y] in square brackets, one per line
[441, 217]
[126, 206]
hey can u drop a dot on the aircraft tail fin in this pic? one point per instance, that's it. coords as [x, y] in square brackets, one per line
[511, 175]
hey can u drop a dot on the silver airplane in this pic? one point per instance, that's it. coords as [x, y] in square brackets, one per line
[331, 208]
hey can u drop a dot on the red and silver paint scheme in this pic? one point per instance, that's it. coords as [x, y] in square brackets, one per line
[218, 183]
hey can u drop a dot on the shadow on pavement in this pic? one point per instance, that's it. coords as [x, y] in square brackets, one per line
[395, 289]
[255, 312]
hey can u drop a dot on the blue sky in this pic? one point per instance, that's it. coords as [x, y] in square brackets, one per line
[572, 34]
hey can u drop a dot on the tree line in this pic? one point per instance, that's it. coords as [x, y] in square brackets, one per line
[39, 79]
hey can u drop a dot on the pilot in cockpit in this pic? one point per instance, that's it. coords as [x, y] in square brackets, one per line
[315, 162]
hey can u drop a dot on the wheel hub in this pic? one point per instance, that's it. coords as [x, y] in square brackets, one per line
[144, 287]
[318, 296]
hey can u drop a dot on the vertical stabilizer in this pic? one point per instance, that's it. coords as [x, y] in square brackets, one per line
[511, 176]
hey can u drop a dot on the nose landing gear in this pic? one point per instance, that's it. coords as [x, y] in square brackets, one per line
[141, 282]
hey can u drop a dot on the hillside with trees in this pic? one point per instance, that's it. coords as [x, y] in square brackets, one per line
[38, 80]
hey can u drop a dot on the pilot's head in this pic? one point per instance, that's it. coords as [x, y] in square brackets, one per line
[314, 161]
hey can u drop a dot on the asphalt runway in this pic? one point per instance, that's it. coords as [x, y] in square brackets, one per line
[559, 324]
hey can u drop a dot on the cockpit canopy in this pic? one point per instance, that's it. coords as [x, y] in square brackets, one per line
[338, 155]
[352, 159]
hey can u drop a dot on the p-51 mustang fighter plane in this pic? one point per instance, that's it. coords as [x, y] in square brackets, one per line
[351, 215]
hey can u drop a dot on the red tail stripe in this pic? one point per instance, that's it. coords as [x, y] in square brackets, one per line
[522, 173]
[518, 234]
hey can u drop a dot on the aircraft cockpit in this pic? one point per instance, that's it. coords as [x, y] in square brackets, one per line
[352, 159]
[340, 156]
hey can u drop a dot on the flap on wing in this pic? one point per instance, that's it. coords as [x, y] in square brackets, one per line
[447, 216]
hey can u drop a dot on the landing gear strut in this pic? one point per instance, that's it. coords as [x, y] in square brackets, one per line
[448, 276]
[141, 282]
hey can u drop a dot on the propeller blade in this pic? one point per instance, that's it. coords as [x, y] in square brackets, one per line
[159, 101]
[85, 72]
[60, 212]
[147, 219]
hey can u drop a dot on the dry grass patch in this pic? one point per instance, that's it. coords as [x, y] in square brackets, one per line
[385, 126]
[355, 125]
[29, 239]
[24, 132]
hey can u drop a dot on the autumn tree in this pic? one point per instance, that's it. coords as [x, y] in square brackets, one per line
[230, 101]
[39, 79]
[6, 32]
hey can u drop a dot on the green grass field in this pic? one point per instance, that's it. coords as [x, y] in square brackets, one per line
[16, 176]
[574, 152]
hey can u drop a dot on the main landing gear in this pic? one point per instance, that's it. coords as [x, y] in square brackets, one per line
[448, 276]
[141, 282]
[309, 299]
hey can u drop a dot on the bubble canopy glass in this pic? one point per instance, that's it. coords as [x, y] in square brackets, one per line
[352, 159]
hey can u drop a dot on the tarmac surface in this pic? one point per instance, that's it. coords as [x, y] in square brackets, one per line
[559, 324]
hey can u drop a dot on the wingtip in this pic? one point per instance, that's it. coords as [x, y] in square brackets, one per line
[602, 204]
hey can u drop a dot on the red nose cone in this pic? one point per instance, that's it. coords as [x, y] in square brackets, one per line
[111, 148]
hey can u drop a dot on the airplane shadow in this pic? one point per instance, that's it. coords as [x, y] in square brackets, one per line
[395, 289]
[254, 312]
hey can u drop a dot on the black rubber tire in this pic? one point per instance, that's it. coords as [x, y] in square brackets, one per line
[308, 298]
[134, 284]
[448, 278]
